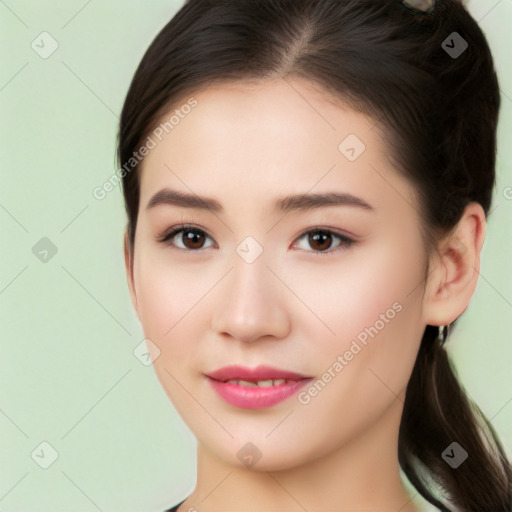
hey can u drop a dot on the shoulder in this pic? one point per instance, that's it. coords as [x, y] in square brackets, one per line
[175, 508]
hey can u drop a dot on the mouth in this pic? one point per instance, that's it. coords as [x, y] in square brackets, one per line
[255, 388]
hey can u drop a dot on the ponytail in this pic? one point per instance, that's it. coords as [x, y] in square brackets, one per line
[437, 412]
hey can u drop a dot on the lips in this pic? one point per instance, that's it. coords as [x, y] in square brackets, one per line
[256, 374]
[237, 385]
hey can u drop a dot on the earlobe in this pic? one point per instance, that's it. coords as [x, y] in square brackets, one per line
[128, 262]
[455, 269]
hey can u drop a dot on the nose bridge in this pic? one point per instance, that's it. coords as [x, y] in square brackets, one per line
[251, 305]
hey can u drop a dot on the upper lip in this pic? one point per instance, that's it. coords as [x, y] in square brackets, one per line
[254, 374]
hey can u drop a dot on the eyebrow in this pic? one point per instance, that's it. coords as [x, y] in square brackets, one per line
[299, 202]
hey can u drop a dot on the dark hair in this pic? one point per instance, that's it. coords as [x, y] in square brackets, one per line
[437, 111]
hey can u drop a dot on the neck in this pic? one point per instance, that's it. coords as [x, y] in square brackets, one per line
[361, 474]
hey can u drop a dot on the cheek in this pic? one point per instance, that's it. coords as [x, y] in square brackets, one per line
[350, 294]
[384, 316]
[169, 297]
[367, 302]
[368, 361]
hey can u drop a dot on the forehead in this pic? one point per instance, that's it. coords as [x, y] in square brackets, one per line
[278, 114]
[269, 137]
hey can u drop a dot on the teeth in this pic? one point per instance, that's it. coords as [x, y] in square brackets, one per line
[245, 383]
[260, 383]
[268, 383]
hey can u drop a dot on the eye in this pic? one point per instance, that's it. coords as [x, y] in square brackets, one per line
[321, 240]
[192, 241]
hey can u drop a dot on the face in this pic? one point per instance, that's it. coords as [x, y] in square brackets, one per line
[332, 292]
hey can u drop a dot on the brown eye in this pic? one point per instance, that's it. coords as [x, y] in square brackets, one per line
[190, 238]
[320, 240]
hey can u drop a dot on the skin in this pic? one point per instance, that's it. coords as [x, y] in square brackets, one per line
[246, 145]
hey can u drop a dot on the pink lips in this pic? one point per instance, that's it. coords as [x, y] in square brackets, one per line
[255, 397]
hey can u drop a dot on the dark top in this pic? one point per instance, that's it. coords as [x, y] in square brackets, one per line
[175, 508]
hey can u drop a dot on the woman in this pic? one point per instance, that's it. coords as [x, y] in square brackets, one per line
[258, 135]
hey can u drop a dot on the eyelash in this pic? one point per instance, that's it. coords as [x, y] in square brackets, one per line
[168, 235]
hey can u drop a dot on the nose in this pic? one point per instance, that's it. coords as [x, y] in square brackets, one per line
[251, 303]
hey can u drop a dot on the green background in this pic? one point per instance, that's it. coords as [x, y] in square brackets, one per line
[68, 373]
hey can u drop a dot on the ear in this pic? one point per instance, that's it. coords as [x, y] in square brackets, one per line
[455, 269]
[128, 263]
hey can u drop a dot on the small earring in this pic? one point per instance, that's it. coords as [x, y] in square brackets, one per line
[443, 334]
[419, 6]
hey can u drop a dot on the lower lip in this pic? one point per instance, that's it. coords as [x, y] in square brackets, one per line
[255, 397]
